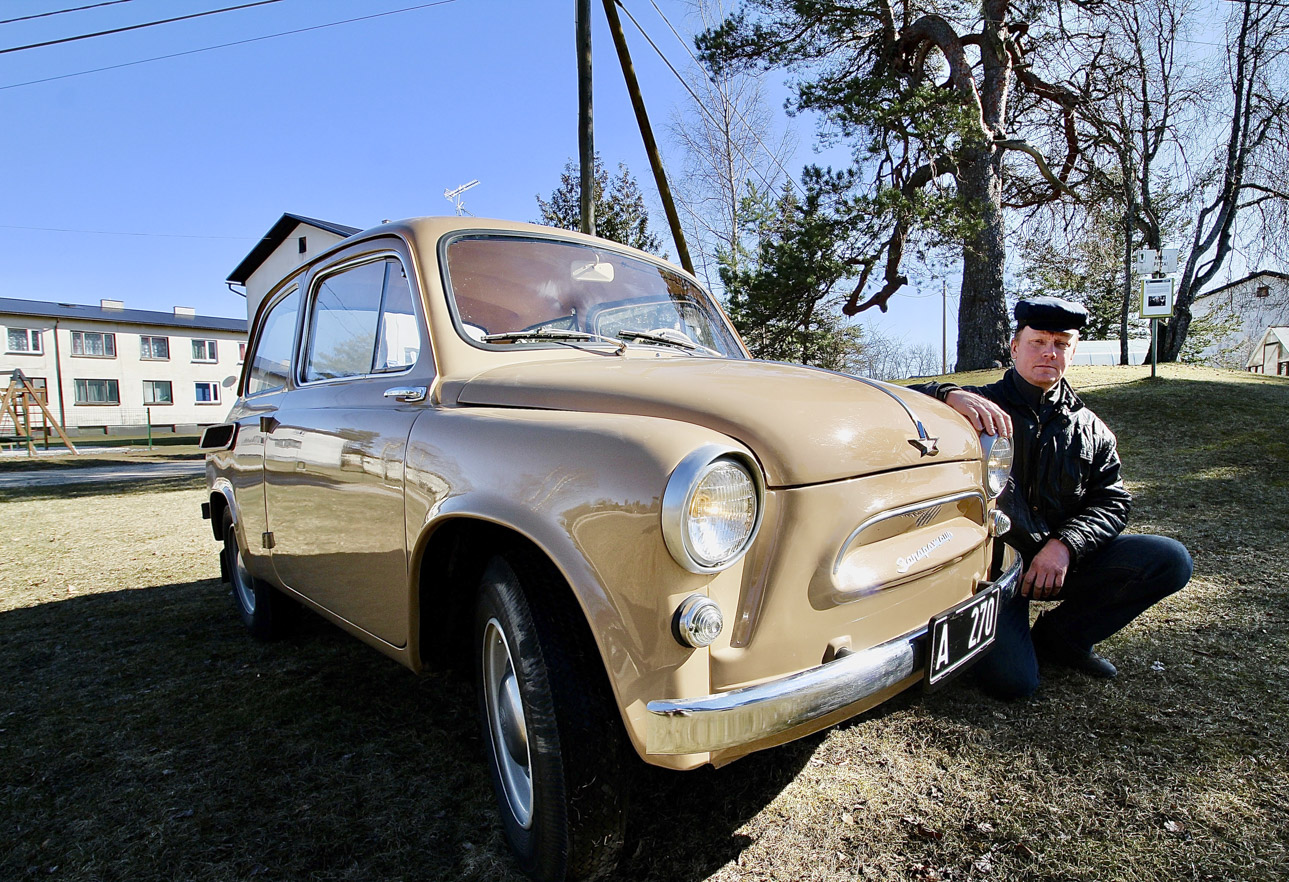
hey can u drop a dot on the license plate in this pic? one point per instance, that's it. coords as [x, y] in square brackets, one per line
[960, 634]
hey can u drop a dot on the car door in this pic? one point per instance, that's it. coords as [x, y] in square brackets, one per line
[333, 461]
[267, 374]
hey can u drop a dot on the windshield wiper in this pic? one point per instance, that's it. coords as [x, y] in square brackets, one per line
[668, 337]
[554, 334]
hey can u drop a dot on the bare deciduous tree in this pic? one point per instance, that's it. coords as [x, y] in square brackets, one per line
[731, 144]
[1246, 173]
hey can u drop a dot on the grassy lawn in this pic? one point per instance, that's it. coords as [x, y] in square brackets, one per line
[144, 736]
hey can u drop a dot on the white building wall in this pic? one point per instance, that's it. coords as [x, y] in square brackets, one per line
[285, 258]
[1248, 315]
[129, 369]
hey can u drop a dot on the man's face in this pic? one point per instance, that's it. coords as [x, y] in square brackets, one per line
[1042, 357]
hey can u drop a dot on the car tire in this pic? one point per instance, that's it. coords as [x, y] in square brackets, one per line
[263, 609]
[552, 737]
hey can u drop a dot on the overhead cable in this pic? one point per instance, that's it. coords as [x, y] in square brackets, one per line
[332, 24]
[61, 11]
[135, 27]
[750, 129]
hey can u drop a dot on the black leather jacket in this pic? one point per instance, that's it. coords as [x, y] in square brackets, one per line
[1065, 478]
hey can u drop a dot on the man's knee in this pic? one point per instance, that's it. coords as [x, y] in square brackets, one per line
[1174, 563]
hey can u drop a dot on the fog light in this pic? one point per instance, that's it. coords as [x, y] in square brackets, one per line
[698, 621]
[999, 523]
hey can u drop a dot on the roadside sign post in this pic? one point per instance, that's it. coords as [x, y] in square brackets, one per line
[1157, 294]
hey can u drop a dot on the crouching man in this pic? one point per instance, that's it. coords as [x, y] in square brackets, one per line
[1068, 507]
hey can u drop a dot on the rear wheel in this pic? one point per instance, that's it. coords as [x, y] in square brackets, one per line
[555, 747]
[263, 609]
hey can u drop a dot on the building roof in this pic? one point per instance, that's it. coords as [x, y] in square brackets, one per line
[1250, 277]
[83, 312]
[1279, 334]
[275, 237]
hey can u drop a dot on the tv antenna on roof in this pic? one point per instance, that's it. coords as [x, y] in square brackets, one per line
[454, 196]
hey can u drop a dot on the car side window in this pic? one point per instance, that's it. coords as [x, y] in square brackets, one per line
[400, 341]
[362, 322]
[271, 361]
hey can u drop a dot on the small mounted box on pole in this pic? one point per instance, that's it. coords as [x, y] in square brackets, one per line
[1157, 300]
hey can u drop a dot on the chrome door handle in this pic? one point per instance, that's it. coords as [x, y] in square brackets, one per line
[406, 393]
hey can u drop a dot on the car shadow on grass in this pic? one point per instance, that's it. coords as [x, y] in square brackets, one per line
[147, 736]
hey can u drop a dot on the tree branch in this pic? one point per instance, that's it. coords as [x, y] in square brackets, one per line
[1039, 160]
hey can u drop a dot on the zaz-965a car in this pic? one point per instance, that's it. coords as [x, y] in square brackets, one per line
[550, 459]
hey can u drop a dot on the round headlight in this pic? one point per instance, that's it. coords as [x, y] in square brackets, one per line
[998, 462]
[711, 509]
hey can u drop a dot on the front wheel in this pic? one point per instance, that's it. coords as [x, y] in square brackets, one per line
[555, 748]
[263, 609]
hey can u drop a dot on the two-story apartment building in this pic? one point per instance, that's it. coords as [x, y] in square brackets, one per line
[105, 366]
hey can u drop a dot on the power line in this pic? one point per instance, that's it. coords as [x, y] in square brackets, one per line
[118, 233]
[701, 107]
[61, 11]
[135, 27]
[750, 129]
[333, 24]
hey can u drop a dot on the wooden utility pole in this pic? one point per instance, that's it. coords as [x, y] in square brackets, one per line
[646, 132]
[585, 126]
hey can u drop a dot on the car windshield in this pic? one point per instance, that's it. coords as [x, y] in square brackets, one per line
[516, 290]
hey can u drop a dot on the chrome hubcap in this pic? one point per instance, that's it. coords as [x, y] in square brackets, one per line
[506, 723]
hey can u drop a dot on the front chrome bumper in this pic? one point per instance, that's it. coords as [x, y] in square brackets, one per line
[742, 716]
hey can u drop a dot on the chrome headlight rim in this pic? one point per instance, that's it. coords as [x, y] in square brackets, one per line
[678, 495]
[996, 454]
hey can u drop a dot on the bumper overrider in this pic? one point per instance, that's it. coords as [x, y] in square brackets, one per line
[741, 716]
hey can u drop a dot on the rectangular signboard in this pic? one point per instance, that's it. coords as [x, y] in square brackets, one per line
[1156, 298]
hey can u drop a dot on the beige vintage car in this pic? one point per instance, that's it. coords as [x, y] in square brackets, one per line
[549, 459]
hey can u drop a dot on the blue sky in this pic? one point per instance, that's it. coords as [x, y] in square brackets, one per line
[148, 183]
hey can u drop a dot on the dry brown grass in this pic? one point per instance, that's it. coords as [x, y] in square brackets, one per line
[143, 736]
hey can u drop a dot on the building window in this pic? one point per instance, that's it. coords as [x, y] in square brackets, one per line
[93, 344]
[204, 350]
[1262, 291]
[207, 393]
[97, 392]
[24, 340]
[154, 348]
[38, 384]
[157, 392]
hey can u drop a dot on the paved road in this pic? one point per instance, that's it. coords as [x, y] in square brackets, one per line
[140, 471]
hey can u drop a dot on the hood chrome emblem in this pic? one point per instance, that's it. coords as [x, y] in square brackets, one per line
[924, 442]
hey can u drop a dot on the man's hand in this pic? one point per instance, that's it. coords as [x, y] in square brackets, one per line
[1046, 573]
[982, 413]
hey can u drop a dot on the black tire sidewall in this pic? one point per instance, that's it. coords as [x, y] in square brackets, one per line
[542, 847]
[261, 623]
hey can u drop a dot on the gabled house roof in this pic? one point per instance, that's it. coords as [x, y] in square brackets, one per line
[83, 312]
[1250, 277]
[276, 235]
[1278, 334]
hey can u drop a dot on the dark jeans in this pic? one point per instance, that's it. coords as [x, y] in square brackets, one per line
[1105, 593]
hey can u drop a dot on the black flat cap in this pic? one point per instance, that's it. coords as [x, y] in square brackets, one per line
[1050, 314]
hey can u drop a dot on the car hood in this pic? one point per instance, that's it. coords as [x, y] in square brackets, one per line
[805, 425]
